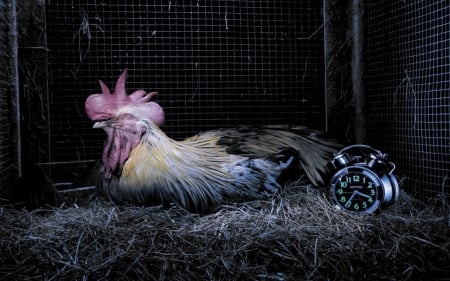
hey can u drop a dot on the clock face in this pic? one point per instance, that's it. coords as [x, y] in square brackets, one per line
[356, 189]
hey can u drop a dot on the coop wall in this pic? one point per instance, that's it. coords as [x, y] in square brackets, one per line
[214, 63]
[408, 82]
[23, 97]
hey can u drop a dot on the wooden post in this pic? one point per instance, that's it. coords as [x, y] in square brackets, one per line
[359, 122]
[14, 71]
[327, 54]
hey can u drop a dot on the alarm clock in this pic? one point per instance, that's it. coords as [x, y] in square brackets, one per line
[362, 180]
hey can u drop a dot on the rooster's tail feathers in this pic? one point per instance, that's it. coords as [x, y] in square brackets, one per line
[311, 150]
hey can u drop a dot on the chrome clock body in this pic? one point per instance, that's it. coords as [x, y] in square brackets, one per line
[362, 180]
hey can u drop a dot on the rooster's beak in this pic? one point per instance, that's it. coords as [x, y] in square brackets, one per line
[99, 125]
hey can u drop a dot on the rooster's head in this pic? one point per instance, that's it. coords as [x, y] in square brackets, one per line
[121, 116]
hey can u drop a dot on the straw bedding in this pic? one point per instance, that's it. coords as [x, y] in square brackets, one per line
[296, 235]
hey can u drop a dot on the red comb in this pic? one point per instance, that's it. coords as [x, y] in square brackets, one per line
[107, 105]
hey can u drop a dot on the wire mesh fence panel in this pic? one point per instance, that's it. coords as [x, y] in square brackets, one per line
[408, 82]
[214, 64]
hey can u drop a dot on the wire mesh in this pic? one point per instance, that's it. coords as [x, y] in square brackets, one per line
[408, 82]
[214, 64]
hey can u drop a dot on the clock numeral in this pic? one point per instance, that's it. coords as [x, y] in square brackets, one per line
[370, 184]
[372, 192]
[343, 184]
[356, 178]
[356, 206]
[340, 191]
[364, 205]
[370, 200]
[348, 204]
[343, 199]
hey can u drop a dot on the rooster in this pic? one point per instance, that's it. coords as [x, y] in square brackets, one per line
[142, 165]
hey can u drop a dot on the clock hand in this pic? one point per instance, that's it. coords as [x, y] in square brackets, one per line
[351, 197]
[362, 194]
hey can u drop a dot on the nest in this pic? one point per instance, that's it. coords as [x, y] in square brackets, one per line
[296, 235]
